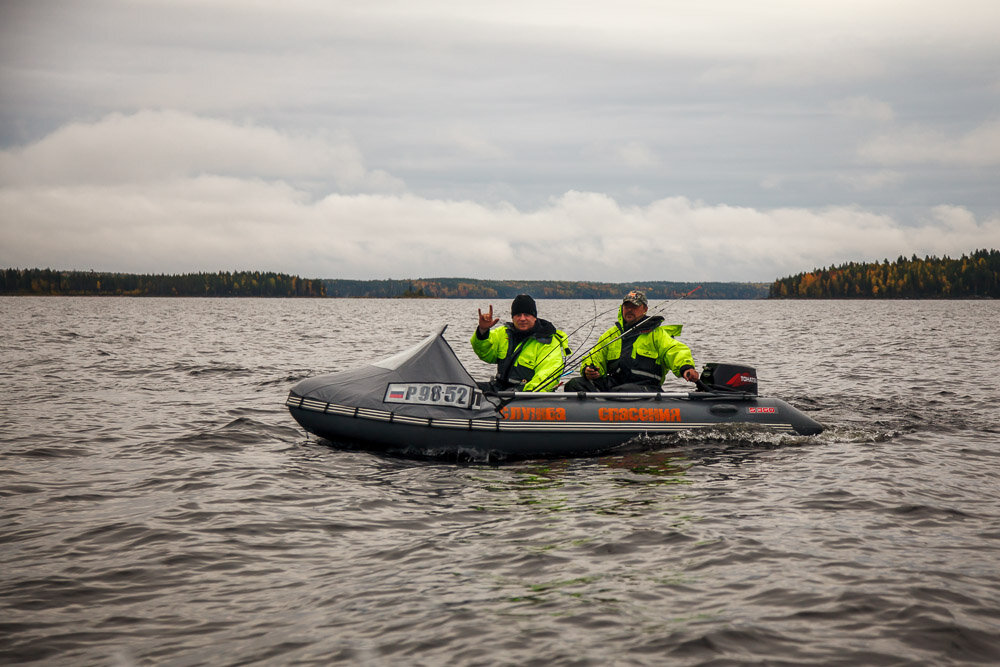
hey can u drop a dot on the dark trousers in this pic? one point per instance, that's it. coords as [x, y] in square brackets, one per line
[493, 386]
[583, 384]
[605, 383]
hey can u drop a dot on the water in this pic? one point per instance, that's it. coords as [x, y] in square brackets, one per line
[160, 506]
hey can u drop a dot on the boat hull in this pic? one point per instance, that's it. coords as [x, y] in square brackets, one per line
[548, 425]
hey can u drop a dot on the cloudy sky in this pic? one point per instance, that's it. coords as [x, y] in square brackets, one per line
[612, 141]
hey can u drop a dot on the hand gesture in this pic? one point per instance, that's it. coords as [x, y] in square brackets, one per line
[590, 372]
[691, 375]
[487, 321]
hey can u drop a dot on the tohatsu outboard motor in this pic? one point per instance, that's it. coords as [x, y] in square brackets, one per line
[730, 377]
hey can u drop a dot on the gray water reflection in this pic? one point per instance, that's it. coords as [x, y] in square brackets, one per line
[160, 506]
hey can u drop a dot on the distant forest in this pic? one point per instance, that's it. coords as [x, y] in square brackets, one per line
[469, 288]
[91, 283]
[973, 276]
[248, 284]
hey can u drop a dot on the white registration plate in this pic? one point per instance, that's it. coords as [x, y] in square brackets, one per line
[429, 393]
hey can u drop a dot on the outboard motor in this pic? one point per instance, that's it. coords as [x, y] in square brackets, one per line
[730, 377]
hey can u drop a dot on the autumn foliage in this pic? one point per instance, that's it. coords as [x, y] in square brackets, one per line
[974, 276]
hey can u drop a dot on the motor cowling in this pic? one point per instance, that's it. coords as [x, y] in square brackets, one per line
[730, 377]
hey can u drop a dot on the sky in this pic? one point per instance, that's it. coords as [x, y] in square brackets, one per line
[636, 140]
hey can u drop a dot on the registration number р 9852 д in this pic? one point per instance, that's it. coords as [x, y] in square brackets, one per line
[429, 393]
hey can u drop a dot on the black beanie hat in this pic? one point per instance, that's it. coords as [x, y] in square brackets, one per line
[523, 304]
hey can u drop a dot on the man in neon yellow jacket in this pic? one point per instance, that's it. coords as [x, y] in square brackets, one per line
[635, 354]
[529, 352]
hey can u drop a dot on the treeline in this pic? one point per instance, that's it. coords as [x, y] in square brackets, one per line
[973, 276]
[470, 288]
[92, 283]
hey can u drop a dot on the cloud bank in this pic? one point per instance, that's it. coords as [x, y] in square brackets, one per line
[720, 140]
[167, 191]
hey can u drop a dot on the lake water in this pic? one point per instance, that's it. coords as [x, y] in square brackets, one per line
[160, 506]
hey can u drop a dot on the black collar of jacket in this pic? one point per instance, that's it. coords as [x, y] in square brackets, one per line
[644, 325]
[543, 331]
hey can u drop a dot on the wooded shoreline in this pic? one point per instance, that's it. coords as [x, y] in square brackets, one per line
[974, 276]
[48, 282]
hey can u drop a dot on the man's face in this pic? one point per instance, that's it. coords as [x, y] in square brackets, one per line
[523, 321]
[631, 312]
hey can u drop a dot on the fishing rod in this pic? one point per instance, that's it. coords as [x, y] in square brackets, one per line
[574, 359]
[592, 321]
[658, 308]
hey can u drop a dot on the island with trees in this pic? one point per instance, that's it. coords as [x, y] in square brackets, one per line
[972, 276]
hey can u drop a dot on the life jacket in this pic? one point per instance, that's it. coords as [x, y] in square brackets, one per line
[636, 368]
[512, 375]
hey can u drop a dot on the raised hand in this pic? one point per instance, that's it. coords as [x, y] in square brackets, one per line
[487, 321]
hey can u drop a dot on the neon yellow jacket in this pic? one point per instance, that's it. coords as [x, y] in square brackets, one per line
[653, 353]
[538, 361]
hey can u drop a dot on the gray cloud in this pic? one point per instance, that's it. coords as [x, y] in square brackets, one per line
[152, 145]
[640, 141]
[978, 147]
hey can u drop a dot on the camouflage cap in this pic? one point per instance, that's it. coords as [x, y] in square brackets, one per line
[636, 297]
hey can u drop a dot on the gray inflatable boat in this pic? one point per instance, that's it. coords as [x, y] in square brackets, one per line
[423, 401]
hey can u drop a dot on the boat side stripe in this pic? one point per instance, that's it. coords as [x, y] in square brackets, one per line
[501, 424]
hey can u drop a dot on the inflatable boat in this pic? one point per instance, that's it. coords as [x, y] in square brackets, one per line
[423, 401]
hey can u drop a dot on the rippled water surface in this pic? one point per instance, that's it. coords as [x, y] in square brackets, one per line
[160, 506]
